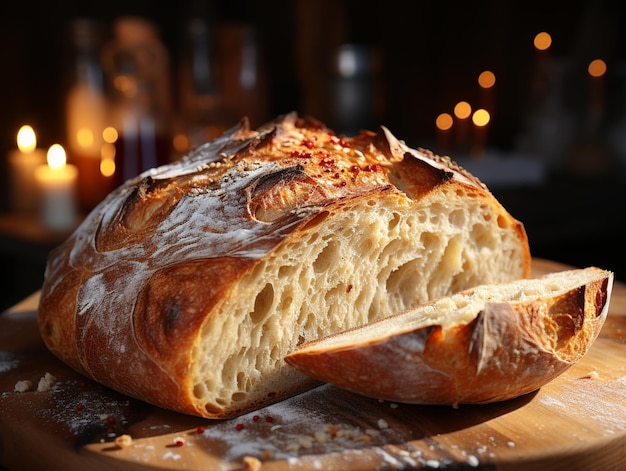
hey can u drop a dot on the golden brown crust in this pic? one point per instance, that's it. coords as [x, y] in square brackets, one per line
[126, 297]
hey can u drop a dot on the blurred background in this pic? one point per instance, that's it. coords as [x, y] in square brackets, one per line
[529, 96]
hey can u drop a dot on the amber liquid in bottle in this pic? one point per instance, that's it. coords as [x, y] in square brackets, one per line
[137, 152]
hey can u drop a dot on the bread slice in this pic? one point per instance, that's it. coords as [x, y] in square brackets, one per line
[490, 343]
[188, 285]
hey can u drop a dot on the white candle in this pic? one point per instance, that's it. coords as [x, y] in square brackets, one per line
[22, 164]
[57, 184]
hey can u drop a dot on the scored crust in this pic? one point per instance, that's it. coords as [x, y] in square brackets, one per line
[188, 285]
[486, 344]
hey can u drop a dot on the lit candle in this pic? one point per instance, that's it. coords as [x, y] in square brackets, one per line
[486, 82]
[543, 66]
[480, 119]
[443, 123]
[542, 43]
[462, 113]
[596, 70]
[22, 164]
[57, 183]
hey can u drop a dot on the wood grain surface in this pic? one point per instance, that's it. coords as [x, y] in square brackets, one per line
[578, 421]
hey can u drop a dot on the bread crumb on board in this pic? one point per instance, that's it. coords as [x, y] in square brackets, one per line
[250, 463]
[124, 441]
[23, 385]
[46, 382]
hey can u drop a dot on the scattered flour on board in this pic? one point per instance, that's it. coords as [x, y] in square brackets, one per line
[303, 429]
[585, 394]
[83, 410]
[7, 362]
[286, 429]
[302, 432]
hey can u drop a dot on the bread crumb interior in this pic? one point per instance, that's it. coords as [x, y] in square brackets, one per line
[350, 266]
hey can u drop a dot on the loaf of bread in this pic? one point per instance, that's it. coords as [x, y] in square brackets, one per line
[189, 284]
[486, 344]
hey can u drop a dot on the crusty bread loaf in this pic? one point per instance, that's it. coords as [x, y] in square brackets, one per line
[188, 285]
[486, 344]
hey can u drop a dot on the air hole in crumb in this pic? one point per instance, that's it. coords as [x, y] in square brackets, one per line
[262, 303]
[243, 382]
[238, 396]
[366, 246]
[285, 303]
[390, 249]
[429, 241]
[313, 237]
[310, 322]
[221, 401]
[287, 271]
[275, 353]
[483, 236]
[326, 257]
[457, 218]
[199, 391]
[502, 222]
[394, 221]
[316, 220]
[401, 283]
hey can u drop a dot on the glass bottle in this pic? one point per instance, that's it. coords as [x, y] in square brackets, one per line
[354, 89]
[86, 111]
[243, 73]
[205, 113]
[137, 65]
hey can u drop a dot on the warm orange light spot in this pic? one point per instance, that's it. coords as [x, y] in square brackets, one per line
[84, 137]
[107, 158]
[462, 110]
[481, 117]
[597, 68]
[180, 143]
[444, 121]
[109, 134]
[125, 84]
[542, 41]
[487, 79]
[107, 167]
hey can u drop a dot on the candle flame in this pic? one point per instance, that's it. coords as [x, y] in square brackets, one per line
[56, 156]
[26, 139]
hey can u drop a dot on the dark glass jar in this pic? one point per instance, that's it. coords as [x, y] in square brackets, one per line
[137, 66]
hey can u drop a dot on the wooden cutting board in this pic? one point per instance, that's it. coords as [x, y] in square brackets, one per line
[576, 422]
